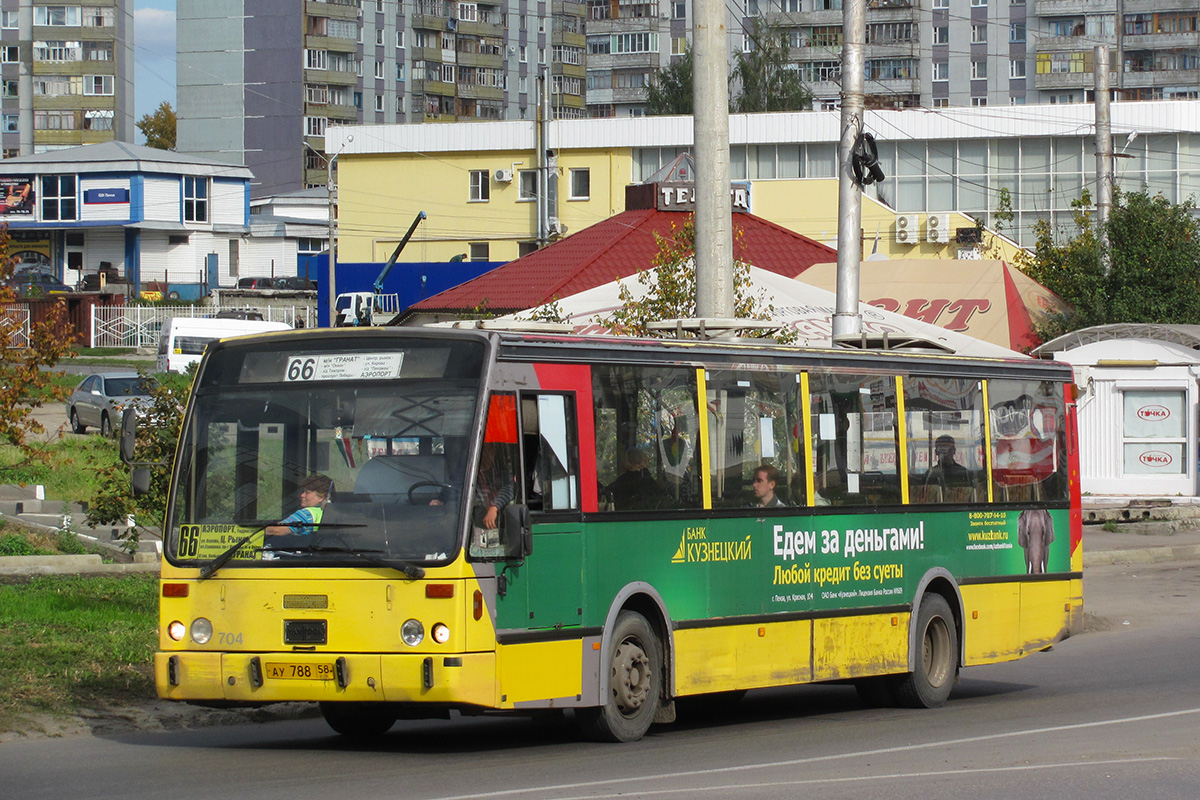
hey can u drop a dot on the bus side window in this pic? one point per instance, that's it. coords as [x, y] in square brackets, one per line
[646, 424]
[855, 438]
[752, 417]
[550, 451]
[944, 425]
[1029, 459]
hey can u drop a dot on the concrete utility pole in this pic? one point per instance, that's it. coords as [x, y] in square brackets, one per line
[710, 102]
[331, 188]
[1104, 155]
[846, 318]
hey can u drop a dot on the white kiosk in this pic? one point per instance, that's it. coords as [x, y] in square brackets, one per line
[1138, 396]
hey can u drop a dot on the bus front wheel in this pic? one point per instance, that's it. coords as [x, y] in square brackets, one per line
[929, 684]
[358, 720]
[635, 670]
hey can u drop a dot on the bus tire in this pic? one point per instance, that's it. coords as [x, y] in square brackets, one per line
[635, 681]
[358, 720]
[929, 684]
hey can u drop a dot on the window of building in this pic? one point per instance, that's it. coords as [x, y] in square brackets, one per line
[315, 126]
[10, 88]
[678, 9]
[316, 59]
[979, 33]
[195, 199]
[1016, 68]
[678, 45]
[524, 54]
[399, 70]
[978, 70]
[941, 70]
[581, 183]
[98, 84]
[99, 16]
[468, 12]
[10, 54]
[941, 34]
[57, 51]
[97, 51]
[98, 120]
[310, 245]
[379, 37]
[644, 42]
[979, 102]
[9, 20]
[54, 120]
[379, 70]
[59, 198]
[58, 16]
[11, 123]
[941, 3]
[978, 3]
[479, 251]
[527, 187]
[941, 102]
[481, 186]
[343, 29]
[379, 103]
[399, 37]
[1016, 32]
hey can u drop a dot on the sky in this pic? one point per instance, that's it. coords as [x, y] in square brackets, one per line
[153, 56]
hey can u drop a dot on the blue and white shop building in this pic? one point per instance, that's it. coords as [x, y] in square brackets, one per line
[142, 215]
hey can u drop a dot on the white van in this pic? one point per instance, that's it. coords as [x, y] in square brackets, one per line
[183, 339]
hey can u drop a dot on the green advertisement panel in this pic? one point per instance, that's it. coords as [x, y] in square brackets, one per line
[754, 566]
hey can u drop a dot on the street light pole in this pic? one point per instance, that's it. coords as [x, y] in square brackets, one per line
[331, 279]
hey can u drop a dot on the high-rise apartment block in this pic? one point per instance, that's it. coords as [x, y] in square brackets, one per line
[259, 81]
[67, 74]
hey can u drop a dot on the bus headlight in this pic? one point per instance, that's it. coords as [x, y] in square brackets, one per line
[440, 633]
[412, 632]
[176, 630]
[201, 630]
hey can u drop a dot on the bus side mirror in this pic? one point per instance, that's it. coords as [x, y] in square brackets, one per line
[128, 435]
[140, 480]
[517, 532]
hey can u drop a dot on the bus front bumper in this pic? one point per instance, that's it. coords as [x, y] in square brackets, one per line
[459, 679]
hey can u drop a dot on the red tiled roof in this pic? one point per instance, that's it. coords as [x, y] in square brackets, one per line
[616, 248]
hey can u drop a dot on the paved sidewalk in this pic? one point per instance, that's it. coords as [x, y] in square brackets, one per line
[1132, 543]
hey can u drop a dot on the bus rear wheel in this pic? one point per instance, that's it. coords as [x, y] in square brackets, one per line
[358, 720]
[635, 670]
[929, 684]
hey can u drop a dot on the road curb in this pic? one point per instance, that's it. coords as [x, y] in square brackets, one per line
[91, 564]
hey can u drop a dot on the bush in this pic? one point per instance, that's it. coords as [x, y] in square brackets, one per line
[14, 544]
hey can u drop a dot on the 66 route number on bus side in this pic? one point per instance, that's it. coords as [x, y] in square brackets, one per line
[302, 368]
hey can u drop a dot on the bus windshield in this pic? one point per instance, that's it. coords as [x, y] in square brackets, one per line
[322, 457]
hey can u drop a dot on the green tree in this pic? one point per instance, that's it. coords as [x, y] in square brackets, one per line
[1154, 253]
[157, 437]
[669, 289]
[670, 89]
[764, 78]
[159, 127]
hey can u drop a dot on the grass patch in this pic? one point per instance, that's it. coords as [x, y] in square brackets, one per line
[28, 542]
[76, 641]
[67, 467]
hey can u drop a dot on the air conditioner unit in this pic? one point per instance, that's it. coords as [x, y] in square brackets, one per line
[555, 227]
[906, 228]
[503, 176]
[937, 228]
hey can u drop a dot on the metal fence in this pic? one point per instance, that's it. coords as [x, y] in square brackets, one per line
[14, 325]
[139, 326]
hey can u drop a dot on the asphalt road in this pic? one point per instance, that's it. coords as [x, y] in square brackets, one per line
[1114, 713]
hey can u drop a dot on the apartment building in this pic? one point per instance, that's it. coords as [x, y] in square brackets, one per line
[261, 80]
[66, 73]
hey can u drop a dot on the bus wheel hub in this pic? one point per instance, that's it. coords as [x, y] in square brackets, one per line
[631, 677]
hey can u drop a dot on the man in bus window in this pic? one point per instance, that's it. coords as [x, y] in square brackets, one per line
[314, 493]
[766, 477]
[947, 472]
[635, 488]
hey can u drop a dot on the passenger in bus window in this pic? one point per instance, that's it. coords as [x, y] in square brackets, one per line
[314, 494]
[947, 472]
[766, 477]
[495, 486]
[635, 488]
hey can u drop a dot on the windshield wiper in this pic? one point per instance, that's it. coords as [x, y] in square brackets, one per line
[408, 569]
[211, 567]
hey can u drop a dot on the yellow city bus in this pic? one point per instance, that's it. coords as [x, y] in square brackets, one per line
[529, 522]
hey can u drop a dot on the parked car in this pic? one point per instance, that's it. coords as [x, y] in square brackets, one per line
[99, 400]
[256, 283]
[238, 313]
[295, 282]
[36, 284]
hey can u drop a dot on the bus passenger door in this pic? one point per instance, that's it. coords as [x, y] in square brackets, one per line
[551, 578]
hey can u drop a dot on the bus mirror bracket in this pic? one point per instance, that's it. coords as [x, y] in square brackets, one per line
[518, 533]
